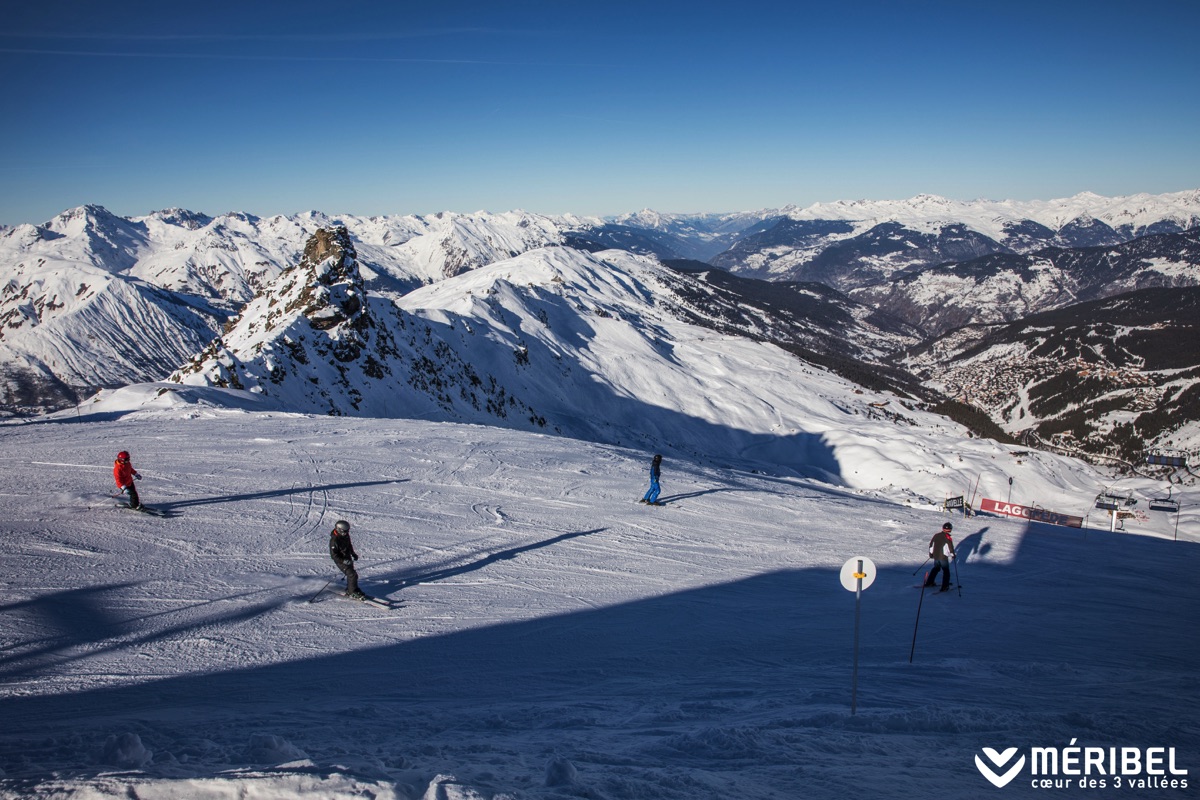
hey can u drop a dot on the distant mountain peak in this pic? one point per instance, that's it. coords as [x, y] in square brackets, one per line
[182, 218]
[328, 281]
[930, 199]
[318, 305]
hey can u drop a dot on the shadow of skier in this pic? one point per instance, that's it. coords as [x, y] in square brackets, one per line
[167, 508]
[503, 555]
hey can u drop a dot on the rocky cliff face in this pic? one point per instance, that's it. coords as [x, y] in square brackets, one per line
[314, 312]
[317, 341]
[326, 287]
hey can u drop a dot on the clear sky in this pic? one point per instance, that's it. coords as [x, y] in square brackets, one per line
[590, 108]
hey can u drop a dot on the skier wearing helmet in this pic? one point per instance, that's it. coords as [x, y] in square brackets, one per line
[941, 550]
[124, 474]
[341, 550]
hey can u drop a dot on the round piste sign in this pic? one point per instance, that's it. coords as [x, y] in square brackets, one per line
[850, 573]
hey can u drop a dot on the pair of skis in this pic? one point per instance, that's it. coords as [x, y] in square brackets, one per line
[145, 509]
[363, 597]
[154, 512]
[939, 590]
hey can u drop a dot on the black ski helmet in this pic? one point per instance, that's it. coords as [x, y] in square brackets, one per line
[342, 526]
[947, 527]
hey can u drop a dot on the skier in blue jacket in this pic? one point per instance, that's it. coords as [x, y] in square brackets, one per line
[651, 495]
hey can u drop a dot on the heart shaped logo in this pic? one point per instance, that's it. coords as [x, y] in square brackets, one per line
[999, 760]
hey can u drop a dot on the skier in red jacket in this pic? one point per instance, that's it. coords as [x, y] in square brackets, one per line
[124, 474]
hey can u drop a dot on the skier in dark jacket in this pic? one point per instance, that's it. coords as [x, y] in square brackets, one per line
[341, 550]
[651, 495]
[941, 550]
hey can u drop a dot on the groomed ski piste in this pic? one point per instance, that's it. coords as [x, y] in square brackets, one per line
[553, 637]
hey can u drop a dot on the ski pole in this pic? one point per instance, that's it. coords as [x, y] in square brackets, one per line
[923, 563]
[323, 588]
[956, 580]
[918, 622]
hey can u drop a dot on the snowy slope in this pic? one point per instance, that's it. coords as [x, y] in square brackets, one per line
[67, 329]
[90, 299]
[227, 258]
[554, 638]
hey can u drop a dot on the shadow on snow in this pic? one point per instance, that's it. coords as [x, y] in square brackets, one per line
[170, 507]
[776, 646]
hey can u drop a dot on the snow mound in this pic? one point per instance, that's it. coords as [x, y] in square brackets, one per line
[169, 397]
[125, 750]
[561, 772]
[266, 748]
[447, 787]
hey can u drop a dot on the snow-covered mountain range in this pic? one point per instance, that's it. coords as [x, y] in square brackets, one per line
[92, 300]
[595, 346]
[81, 295]
[848, 245]
[1001, 288]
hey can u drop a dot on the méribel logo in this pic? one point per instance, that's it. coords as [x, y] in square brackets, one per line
[998, 779]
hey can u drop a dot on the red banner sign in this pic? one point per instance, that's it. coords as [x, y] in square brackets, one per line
[1032, 514]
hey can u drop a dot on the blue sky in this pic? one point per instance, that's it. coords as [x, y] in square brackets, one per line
[589, 108]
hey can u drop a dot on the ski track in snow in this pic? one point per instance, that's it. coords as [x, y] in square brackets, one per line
[555, 638]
